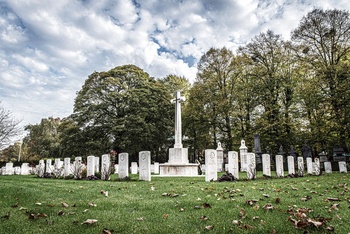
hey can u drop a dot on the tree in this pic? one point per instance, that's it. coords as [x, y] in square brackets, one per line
[215, 83]
[43, 140]
[124, 109]
[323, 42]
[272, 71]
[9, 127]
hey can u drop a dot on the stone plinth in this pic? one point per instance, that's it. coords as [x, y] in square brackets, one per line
[178, 156]
[188, 169]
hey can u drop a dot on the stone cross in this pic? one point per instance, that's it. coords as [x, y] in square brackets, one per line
[178, 131]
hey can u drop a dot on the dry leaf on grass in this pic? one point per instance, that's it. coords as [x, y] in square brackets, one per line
[203, 217]
[104, 193]
[64, 204]
[91, 204]
[89, 221]
[106, 231]
[209, 227]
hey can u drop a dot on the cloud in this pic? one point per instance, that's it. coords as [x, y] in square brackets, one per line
[48, 48]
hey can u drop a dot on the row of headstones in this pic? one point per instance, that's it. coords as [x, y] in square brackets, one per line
[249, 166]
[66, 168]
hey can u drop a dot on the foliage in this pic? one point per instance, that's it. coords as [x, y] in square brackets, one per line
[123, 109]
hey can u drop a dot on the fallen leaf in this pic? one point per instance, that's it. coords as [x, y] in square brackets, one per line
[41, 215]
[38, 204]
[332, 199]
[89, 221]
[104, 193]
[247, 227]
[86, 210]
[203, 217]
[273, 231]
[64, 204]
[206, 205]
[209, 227]
[140, 219]
[106, 231]
[6, 216]
[236, 222]
[278, 200]
[91, 204]
[15, 205]
[268, 206]
[330, 228]
[60, 212]
[165, 194]
[266, 195]
[165, 216]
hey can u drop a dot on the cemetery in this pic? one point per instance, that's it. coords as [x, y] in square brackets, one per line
[110, 194]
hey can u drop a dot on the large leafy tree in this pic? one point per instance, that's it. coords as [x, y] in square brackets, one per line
[124, 109]
[273, 75]
[323, 40]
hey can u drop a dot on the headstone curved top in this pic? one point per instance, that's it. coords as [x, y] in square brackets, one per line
[243, 145]
[219, 146]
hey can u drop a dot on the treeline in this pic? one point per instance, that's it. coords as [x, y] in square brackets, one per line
[291, 93]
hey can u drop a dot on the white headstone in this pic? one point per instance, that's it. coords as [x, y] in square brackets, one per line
[279, 166]
[97, 164]
[220, 156]
[25, 169]
[78, 167]
[156, 167]
[67, 167]
[251, 166]
[328, 167]
[291, 167]
[309, 166]
[317, 166]
[90, 167]
[106, 167]
[266, 164]
[41, 168]
[145, 165]
[300, 166]
[17, 170]
[233, 167]
[243, 154]
[134, 168]
[342, 167]
[48, 168]
[211, 165]
[123, 168]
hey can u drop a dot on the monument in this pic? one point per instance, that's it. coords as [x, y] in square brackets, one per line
[178, 164]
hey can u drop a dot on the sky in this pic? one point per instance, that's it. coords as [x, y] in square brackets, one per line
[49, 48]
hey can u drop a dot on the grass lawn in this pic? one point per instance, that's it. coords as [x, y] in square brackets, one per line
[311, 204]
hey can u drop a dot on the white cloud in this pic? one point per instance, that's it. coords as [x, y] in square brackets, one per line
[48, 48]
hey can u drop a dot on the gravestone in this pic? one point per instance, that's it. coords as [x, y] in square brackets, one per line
[338, 153]
[292, 153]
[134, 168]
[145, 165]
[66, 167]
[323, 157]
[328, 167]
[178, 164]
[309, 166]
[17, 170]
[306, 152]
[300, 166]
[123, 168]
[41, 168]
[233, 167]
[105, 167]
[257, 148]
[251, 166]
[243, 154]
[78, 167]
[25, 169]
[291, 169]
[220, 156]
[342, 167]
[48, 168]
[279, 166]
[210, 165]
[156, 167]
[90, 167]
[97, 164]
[266, 161]
[317, 166]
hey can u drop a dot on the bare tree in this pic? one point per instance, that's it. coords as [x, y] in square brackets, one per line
[8, 127]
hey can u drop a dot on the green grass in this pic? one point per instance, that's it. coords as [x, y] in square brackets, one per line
[141, 207]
